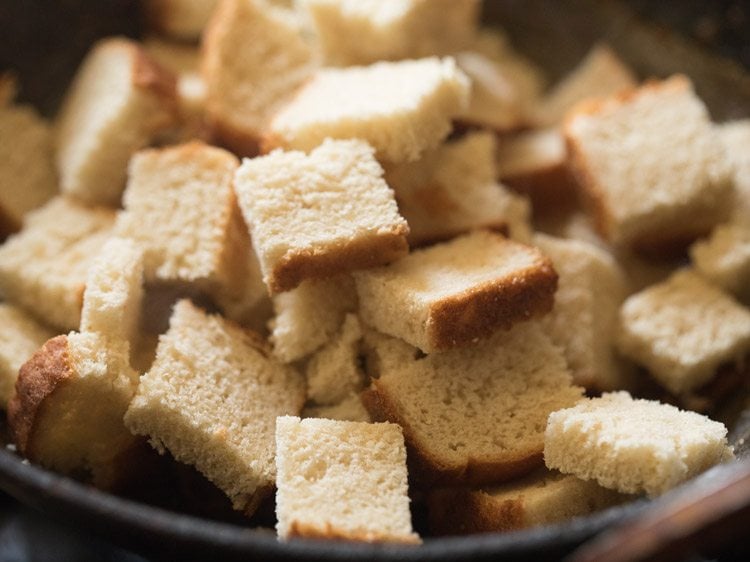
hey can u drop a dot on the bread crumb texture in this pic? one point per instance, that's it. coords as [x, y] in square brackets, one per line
[633, 445]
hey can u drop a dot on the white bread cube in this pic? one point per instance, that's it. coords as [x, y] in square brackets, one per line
[453, 189]
[724, 258]
[254, 58]
[342, 480]
[67, 411]
[43, 268]
[584, 320]
[682, 330]
[211, 399]
[180, 19]
[180, 208]
[400, 108]
[333, 373]
[600, 73]
[28, 178]
[307, 317]
[650, 165]
[20, 337]
[119, 101]
[633, 446]
[319, 215]
[475, 415]
[455, 293]
[541, 498]
[354, 32]
[114, 291]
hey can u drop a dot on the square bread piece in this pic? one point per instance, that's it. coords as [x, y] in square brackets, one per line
[342, 480]
[475, 415]
[583, 321]
[319, 215]
[20, 337]
[453, 189]
[456, 293]
[254, 58]
[724, 258]
[67, 412]
[114, 292]
[633, 446]
[180, 208]
[28, 178]
[650, 165]
[180, 19]
[682, 330]
[118, 102]
[43, 268]
[211, 399]
[600, 73]
[354, 32]
[541, 498]
[400, 108]
[307, 317]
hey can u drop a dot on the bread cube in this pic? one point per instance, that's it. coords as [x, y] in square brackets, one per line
[118, 102]
[651, 166]
[211, 399]
[319, 215]
[631, 445]
[682, 330]
[724, 258]
[400, 108]
[735, 138]
[456, 293]
[342, 480]
[474, 415]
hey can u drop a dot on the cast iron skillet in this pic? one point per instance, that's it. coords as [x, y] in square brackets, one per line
[44, 42]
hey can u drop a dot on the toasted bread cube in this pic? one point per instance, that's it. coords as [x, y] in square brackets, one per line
[319, 215]
[682, 330]
[119, 100]
[541, 498]
[735, 138]
[68, 407]
[28, 178]
[254, 59]
[651, 166]
[349, 409]
[333, 373]
[353, 32]
[211, 399]
[456, 293]
[20, 337]
[633, 446]
[43, 268]
[724, 258]
[590, 289]
[474, 415]
[181, 19]
[114, 291]
[600, 73]
[342, 480]
[453, 189]
[306, 318]
[401, 108]
[181, 210]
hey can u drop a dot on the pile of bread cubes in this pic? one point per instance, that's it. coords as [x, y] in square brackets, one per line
[357, 254]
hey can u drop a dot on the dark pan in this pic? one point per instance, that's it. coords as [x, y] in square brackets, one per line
[44, 41]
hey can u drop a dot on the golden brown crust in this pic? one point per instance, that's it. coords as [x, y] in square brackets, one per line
[462, 511]
[477, 313]
[427, 468]
[361, 253]
[548, 187]
[327, 531]
[244, 143]
[38, 378]
[150, 76]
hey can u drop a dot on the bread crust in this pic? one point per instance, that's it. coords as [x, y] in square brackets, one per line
[38, 379]
[476, 313]
[150, 76]
[548, 187]
[427, 469]
[381, 248]
[462, 511]
[327, 531]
